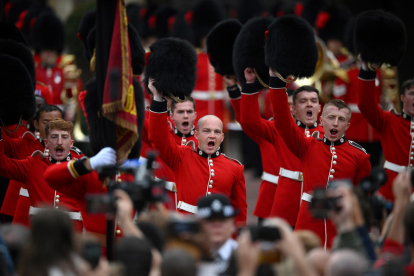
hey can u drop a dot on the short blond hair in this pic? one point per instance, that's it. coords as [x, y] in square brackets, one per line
[59, 124]
[340, 104]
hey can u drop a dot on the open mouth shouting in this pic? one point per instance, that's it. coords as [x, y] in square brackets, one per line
[211, 145]
[59, 150]
[185, 125]
[309, 114]
[333, 133]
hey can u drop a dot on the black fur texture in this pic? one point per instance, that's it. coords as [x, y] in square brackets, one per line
[163, 14]
[248, 9]
[291, 48]
[249, 48]
[336, 25]
[173, 65]
[311, 9]
[9, 31]
[181, 29]
[206, 14]
[48, 33]
[220, 42]
[85, 26]
[380, 37]
[349, 35]
[17, 92]
[22, 53]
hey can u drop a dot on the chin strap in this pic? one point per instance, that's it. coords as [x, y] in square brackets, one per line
[14, 130]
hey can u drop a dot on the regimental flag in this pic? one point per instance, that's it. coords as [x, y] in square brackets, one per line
[121, 109]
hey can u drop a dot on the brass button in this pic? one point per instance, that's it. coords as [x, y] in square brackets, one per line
[57, 200]
[57, 196]
[334, 162]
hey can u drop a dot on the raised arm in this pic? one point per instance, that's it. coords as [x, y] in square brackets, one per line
[158, 133]
[294, 139]
[12, 146]
[367, 104]
[251, 120]
[12, 168]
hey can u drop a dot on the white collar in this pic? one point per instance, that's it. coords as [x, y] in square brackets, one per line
[227, 248]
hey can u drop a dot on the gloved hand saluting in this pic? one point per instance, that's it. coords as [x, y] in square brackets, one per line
[106, 157]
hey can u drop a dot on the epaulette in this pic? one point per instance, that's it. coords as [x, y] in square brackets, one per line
[75, 149]
[171, 126]
[192, 143]
[315, 135]
[394, 111]
[232, 159]
[356, 145]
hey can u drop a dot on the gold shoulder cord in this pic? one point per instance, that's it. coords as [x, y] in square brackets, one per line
[259, 79]
[176, 99]
[287, 80]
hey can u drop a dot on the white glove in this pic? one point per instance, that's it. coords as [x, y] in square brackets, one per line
[106, 157]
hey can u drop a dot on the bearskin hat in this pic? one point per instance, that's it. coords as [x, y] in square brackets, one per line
[291, 48]
[162, 21]
[349, 36]
[331, 22]
[310, 9]
[132, 11]
[22, 53]
[48, 33]
[206, 14]
[220, 42]
[143, 17]
[137, 51]
[15, 8]
[248, 9]
[85, 26]
[181, 28]
[173, 64]
[281, 8]
[17, 98]
[380, 37]
[27, 23]
[249, 51]
[9, 31]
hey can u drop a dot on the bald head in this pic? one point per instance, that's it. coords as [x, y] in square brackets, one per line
[178, 262]
[209, 118]
[346, 262]
[318, 258]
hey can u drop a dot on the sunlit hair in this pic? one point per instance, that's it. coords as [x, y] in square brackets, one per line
[187, 99]
[340, 104]
[59, 124]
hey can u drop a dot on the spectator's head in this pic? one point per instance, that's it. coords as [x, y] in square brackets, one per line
[407, 96]
[335, 119]
[209, 134]
[178, 262]
[45, 115]
[135, 254]
[183, 114]
[308, 239]
[318, 258]
[51, 244]
[216, 215]
[306, 104]
[346, 262]
[16, 237]
[59, 139]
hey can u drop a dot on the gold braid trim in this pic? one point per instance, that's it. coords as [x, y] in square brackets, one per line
[176, 99]
[259, 79]
[287, 80]
[72, 169]
[14, 130]
[92, 63]
[374, 66]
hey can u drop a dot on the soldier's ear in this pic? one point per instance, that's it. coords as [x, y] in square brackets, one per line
[196, 134]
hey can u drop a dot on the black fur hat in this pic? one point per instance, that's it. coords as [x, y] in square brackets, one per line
[143, 27]
[249, 49]
[349, 36]
[331, 22]
[206, 14]
[85, 26]
[173, 64]
[248, 9]
[22, 53]
[291, 48]
[220, 42]
[48, 33]
[181, 28]
[9, 31]
[16, 8]
[163, 21]
[380, 37]
[311, 9]
[17, 97]
[137, 51]
[132, 11]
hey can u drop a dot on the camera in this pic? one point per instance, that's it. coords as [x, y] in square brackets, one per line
[142, 189]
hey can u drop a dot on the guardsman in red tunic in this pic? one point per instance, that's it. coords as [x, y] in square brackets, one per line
[306, 107]
[333, 157]
[77, 178]
[198, 172]
[183, 115]
[396, 130]
[270, 158]
[17, 203]
[31, 171]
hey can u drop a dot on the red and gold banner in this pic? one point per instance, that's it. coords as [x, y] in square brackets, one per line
[121, 108]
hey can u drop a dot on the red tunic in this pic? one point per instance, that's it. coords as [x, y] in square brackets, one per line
[197, 174]
[394, 129]
[287, 199]
[359, 130]
[208, 92]
[270, 161]
[31, 171]
[321, 160]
